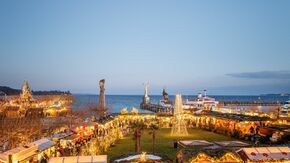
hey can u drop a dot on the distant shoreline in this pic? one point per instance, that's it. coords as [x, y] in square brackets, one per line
[4, 90]
[89, 94]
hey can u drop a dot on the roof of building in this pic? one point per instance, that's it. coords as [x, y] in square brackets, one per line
[194, 143]
[43, 144]
[79, 159]
[265, 153]
[232, 144]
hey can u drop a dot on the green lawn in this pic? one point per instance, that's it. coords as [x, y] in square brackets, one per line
[164, 142]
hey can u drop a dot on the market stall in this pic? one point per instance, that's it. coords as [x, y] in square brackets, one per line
[79, 159]
[46, 148]
[31, 152]
[20, 154]
[226, 157]
[265, 154]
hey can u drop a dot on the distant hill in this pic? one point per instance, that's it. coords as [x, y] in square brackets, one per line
[11, 91]
[281, 94]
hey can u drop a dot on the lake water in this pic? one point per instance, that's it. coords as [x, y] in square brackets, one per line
[116, 102]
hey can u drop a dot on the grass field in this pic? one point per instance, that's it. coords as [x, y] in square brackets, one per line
[164, 142]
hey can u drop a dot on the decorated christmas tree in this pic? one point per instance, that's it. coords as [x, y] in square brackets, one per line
[178, 126]
[26, 95]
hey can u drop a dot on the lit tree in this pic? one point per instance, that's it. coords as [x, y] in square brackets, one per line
[138, 127]
[153, 127]
[134, 110]
[124, 111]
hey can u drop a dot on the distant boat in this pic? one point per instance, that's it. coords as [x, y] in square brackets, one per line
[284, 111]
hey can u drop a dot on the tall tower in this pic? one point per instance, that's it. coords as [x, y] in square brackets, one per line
[102, 102]
[178, 126]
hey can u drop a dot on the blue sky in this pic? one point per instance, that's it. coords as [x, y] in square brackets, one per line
[226, 47]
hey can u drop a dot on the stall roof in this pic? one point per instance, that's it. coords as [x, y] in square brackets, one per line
[43, 144]
[29, 150]
[60, 135]
[79, 159]
[18, 150]
[21, 153]
[266, 153]
[232, 144]
[194, 143]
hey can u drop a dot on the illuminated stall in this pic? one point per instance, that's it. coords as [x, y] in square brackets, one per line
[225, 157]
[34, 151]
[265, 154]
[79, 159]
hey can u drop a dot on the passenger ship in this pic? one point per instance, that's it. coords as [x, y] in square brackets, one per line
[201, 102]
[284, 112]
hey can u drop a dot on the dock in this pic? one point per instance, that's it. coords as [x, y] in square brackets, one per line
[237, 103]
[156, 108]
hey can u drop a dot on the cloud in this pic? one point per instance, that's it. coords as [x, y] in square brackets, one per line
[262, 75]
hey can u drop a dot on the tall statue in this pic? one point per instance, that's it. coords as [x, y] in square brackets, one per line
[165, 96]
[102, 102]
[146, 98]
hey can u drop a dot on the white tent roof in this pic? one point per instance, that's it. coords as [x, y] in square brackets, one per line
[232, 144]
[21, 153]
[195, 143]
[267, 153]
[198, 111]
[43, 144]
[79, 159]
[129, 158]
